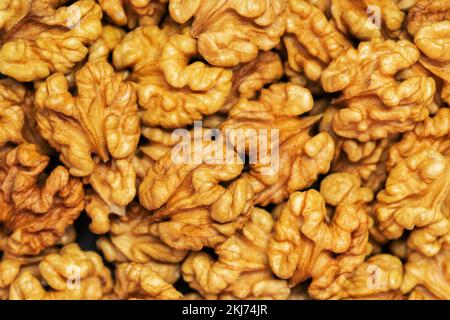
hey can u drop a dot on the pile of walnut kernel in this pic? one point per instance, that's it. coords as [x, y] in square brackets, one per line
[91, 92]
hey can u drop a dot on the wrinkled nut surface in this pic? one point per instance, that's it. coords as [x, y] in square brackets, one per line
[311, 41]
[297, 157]
[429, 23]
[192, 207]
[368, 19]
[60, 271]
[176, 126]
[101, 119]
[131, 13]
[12, 118]
[129, 240]
[430, 273]
[172, 91]
[232, 32]
[36, 208]
[416, 189]
[242, 269]
[305, 245]
[375, 104]
[141, 281]
[41, 37]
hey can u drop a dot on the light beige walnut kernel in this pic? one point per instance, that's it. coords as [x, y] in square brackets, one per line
[429, 23]
[96, 131]
[12, 118]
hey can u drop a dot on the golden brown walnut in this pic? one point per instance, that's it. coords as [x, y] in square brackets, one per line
[365, 159]
[71, 274]
[131, 13]
[36, 208]
[172, 91]
[430, 273]
[12, 118]
[232, 32]
[242, 269]
[426, 13]
[367, 19]
[41, 37]
[96, 131]
[378, 278]
[102, 47]
[416, 192]
[141, 281]
[299, 157]
[11, 265]
[429, 23]
[115, 186]
[375, 105]
[101, 119]
[311, 40]
[249, 78]
[130, 239]
[308, 243]
[197, 194]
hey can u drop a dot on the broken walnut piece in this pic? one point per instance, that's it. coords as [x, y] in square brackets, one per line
[12, 117]
[249, 78]
[131, 13]
[129, 239]
[432, 273]
[101, 119]
[241, 270]
[71, 274]
[197, 195]
[102, 47]
[294, 158]
[115, 187]
[36, 208]
[311, 40]
[375, 104]
[416, 190]
[368, 19]
[429, 23]
[232, 32]
[141, 281]
[171, 91]
[40, 37]
[311, 242]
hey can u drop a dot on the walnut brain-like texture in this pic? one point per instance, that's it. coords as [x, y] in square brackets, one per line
[224, 149]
